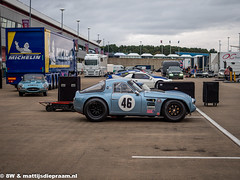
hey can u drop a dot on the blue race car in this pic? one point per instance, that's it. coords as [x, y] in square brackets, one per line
[124, 97]
[33, 83]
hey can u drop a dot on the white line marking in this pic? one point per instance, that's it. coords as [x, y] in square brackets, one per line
[182, 157]
[224, 131]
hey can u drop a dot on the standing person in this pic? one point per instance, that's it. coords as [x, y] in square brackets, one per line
[230, 69]
[230, 73]
[226, 73]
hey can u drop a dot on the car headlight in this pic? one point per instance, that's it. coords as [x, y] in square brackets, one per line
[45, 85]
[170, 74]
[20, 85]
[181, 74]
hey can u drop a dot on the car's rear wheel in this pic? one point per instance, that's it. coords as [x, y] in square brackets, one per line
[174, 110]
[156, 84]
[45, 93]
[95, 110]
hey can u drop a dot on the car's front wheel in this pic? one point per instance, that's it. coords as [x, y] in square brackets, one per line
[20, 93]
[174, 110]
[95, 110]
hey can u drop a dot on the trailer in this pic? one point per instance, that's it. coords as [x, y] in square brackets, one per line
[66, 92]
[38, 50]
[53, 106]
[231, 59]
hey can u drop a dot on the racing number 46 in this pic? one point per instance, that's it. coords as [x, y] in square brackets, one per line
[127, 103]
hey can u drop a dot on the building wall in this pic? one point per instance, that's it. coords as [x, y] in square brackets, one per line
[157, 63]
[16, 11]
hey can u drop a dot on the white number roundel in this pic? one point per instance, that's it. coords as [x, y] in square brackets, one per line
[126, 103]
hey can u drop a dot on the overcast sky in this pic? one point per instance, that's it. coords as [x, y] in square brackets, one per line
[195, 23]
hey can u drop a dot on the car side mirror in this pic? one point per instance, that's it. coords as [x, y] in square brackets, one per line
[137, 93]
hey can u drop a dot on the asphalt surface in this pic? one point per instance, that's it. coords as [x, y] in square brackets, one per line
[34, 141]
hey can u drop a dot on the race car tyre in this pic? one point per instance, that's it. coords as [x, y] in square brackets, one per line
[174, 110]
[156, 84]
[95, 110]
[21, 93]
[45, 93]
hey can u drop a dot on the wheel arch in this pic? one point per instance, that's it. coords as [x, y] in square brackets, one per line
[97, 98]
[186, 106]
[156, 84]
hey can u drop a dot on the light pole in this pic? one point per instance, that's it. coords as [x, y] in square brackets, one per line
[103, 45]
[219, 54]
[140, 48]
[239, 42]
[161, 45]
[219, 45]
[62, 9]
[88, 33]
[78, 24]
[30, 13]
[108, 47]
[170, 46]
[228, 43]
[88, 37]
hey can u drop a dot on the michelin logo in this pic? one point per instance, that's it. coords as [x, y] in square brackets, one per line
[25, 48]
[25, 53]
[21, 57]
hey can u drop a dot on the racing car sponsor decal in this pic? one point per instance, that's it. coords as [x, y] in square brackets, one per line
[150, 107]
[126, 103]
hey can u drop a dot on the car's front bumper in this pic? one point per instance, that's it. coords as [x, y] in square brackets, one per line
[32, 90]
[175, 77]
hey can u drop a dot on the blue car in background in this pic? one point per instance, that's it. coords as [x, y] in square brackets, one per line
[33, 83]
[124, 97]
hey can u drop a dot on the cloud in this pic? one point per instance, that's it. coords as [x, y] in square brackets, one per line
[195, 23]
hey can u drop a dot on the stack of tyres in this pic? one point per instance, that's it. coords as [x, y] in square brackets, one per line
[211, 93]
[186, 87]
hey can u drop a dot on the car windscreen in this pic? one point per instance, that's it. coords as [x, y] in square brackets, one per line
[135, 86]
[91, 62]
[29, 77]
[124, 74]
[174, 68]
[99, 87]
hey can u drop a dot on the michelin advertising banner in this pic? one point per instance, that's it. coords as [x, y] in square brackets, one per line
[23, 46]
[25, 51]
[58, 51]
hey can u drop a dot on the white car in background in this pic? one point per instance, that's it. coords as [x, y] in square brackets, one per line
[150, 80]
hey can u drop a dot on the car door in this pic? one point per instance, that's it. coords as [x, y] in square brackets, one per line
[124, 101]
[144, 78]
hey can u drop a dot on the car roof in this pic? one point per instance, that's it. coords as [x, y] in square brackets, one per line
[117, 80]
